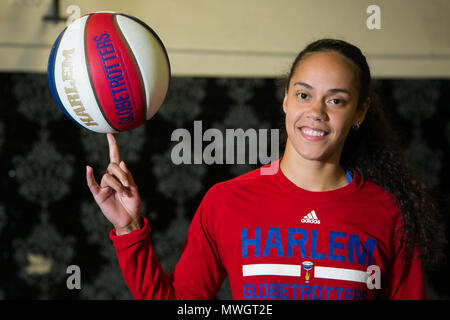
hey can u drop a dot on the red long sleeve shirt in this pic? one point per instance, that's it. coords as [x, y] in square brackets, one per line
[278, 241]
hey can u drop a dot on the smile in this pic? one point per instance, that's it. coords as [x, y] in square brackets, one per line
[310, 133]
[313, 132]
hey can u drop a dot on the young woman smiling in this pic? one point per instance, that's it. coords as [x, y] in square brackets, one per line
[321, 105]
[345, 200]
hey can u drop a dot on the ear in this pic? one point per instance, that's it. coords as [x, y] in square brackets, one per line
[285, 101]
[362, 111]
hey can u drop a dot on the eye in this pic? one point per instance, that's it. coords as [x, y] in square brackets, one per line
[302, 95]
[337, 101]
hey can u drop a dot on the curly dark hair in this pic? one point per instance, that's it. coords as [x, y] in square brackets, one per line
[375, 153]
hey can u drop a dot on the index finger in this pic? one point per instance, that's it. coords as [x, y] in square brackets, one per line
[114, 155]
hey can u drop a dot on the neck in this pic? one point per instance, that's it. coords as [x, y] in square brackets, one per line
[312, 175]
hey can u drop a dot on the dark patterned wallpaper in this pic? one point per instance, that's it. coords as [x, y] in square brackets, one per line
[49, 221]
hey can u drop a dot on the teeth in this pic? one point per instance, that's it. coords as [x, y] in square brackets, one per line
[314, 133]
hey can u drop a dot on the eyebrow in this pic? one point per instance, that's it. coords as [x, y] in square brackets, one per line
[335, 90]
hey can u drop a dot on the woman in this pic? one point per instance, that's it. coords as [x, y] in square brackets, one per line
[343, 204]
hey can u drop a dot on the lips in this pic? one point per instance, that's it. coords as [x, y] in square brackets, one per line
[315, 132]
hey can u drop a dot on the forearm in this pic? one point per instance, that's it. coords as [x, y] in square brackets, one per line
[197, 275]
[140, 267]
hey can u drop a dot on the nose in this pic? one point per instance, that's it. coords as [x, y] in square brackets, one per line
[317, 112]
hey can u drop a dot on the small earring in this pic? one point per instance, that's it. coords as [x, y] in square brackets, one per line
[355, 127]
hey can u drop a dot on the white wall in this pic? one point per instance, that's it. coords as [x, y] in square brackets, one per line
[250, 37]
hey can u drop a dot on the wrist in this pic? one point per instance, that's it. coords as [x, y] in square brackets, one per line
[133, 226]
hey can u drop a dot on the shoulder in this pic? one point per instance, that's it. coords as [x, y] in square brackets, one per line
[382, 199]
[376, 192]
[251, 182]
[222, 195]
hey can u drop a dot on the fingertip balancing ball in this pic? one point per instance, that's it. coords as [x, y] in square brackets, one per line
[108, 72]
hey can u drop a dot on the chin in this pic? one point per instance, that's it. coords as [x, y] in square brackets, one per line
[313, 157]
[316, 155]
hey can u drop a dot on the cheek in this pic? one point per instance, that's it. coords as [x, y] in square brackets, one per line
[339, 125]
[342, 121]
[293, 114]
[341, 129]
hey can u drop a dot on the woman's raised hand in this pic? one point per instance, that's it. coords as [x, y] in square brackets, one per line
[117, 195]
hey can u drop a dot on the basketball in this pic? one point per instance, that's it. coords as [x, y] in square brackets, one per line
[108, 72]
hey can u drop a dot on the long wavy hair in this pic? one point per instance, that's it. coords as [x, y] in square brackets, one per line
[375, 153]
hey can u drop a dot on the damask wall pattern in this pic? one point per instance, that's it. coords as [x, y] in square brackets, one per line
[49, 220]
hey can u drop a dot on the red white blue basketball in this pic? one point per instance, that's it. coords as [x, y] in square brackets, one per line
[108, 72]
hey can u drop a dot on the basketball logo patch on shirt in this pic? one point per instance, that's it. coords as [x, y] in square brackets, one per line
[311, 218]
[307, 265]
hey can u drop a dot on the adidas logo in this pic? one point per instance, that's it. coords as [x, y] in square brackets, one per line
[311, 218]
